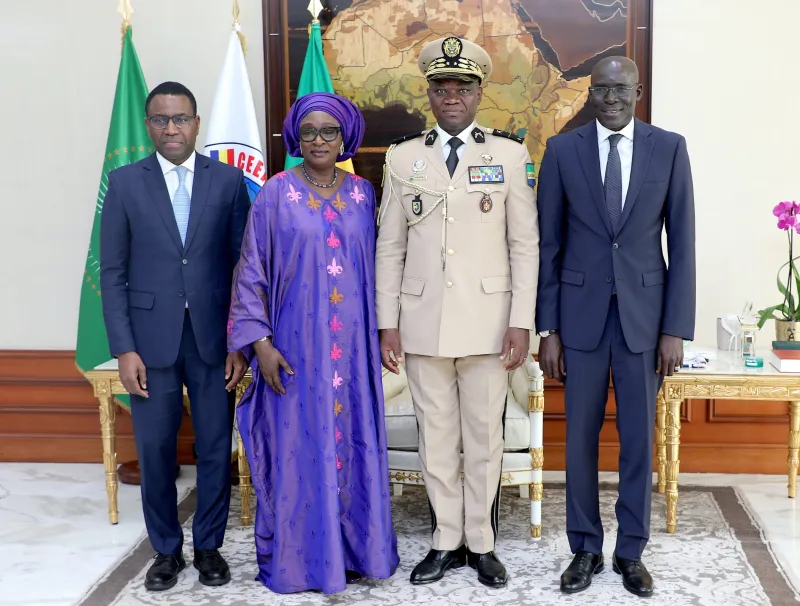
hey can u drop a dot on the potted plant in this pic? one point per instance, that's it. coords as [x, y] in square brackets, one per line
[787, 313]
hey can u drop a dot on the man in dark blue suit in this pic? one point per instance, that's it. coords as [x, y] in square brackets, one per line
[171, 233]
[608, 304]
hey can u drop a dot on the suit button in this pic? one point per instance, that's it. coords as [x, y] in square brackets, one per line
[184, 261]
[181, 293]
[608, 280]
[451, 252]
[449, 285]
[450, 219]
[616, 246]
[451, 188]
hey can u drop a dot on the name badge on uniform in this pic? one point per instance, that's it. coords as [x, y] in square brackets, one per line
[531, 174]
[486, 174]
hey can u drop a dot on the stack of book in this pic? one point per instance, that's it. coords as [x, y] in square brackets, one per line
[785, 356]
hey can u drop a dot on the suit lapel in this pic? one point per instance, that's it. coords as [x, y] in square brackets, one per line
[642, 151]
[157, 188]
[200, 186]
[589, 154]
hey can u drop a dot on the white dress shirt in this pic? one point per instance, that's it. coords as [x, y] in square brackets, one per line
[625, 149]
[171, 177]
[444, 138]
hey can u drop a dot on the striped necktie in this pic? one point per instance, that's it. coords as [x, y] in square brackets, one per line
[613, 182]
[181, 202]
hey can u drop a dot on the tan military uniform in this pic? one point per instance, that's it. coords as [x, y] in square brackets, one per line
[456, 265]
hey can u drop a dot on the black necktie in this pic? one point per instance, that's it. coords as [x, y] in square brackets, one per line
[452, 159]
[613, 182]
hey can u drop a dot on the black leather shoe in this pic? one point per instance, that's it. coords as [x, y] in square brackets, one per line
[635, 577]
[578, 575]
[436, 563]
[491, 571]
[163, 574]
[213, 568]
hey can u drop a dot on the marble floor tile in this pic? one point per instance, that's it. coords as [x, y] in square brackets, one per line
[56, 542]
[55, 538]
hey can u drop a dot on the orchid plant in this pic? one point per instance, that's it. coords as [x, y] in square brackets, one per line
[788, 214]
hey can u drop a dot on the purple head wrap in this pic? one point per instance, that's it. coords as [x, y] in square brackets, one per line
[340, 109]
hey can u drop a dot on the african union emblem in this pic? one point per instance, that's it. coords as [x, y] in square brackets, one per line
[232, 129]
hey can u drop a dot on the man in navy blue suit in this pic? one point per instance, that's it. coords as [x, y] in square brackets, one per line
[608, 304]
[171, 233]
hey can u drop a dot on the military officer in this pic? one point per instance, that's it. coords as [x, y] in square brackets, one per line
[456, 272]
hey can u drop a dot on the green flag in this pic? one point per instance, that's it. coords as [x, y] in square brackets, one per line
[314, 79]
[127, 142]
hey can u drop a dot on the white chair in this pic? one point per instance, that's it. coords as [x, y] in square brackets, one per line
[523, 453]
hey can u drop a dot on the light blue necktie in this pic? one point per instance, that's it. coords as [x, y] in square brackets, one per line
[181, 202]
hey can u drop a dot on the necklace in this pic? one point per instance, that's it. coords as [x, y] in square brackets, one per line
[310, 180]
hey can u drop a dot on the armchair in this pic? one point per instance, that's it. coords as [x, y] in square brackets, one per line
[523, 452]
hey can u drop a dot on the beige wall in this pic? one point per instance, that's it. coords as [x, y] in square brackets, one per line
[725, 76]
[58, 63]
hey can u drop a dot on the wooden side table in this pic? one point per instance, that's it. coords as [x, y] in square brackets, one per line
[724, 378]
[106, 384]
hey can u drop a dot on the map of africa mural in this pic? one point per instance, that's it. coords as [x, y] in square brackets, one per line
[542, 50]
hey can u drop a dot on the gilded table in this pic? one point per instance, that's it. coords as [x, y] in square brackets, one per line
[724, 378]
[106, 384]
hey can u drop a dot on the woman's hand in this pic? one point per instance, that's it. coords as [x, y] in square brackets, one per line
[270, 361]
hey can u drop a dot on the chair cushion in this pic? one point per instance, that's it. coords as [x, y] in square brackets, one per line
[401, 423]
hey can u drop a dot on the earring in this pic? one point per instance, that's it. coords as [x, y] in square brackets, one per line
[341, 149]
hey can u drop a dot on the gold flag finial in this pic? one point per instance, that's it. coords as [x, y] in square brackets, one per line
[125, 10]
[315, 8]
[238, 27]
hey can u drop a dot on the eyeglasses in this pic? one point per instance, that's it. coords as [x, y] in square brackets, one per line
[161, 122]
[328, 133]
[602, 91]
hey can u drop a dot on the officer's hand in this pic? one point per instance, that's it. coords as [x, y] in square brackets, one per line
[670, 355]
[516, 346]
[390, 345]
[270, 362]
[133, 374]
[551, 358]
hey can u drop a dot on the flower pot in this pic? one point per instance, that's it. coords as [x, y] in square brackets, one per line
[787, 331]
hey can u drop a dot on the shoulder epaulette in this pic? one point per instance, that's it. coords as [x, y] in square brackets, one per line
[507, 135]
[407, 137]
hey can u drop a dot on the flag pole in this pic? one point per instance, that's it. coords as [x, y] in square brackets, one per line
[125, 10]
[238, 27]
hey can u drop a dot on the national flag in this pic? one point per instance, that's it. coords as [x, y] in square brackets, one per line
[127, 142]
[315, 79]
[233, 129]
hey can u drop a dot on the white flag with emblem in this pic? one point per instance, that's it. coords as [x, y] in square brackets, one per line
[232, 129]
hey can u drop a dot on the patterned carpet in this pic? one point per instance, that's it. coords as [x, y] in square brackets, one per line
[717, 557]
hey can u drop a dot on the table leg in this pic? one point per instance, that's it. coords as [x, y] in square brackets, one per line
[794, 446]
[661, 444]
[536, 416]
[108, 415]
[245, 487]
[672, 439]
